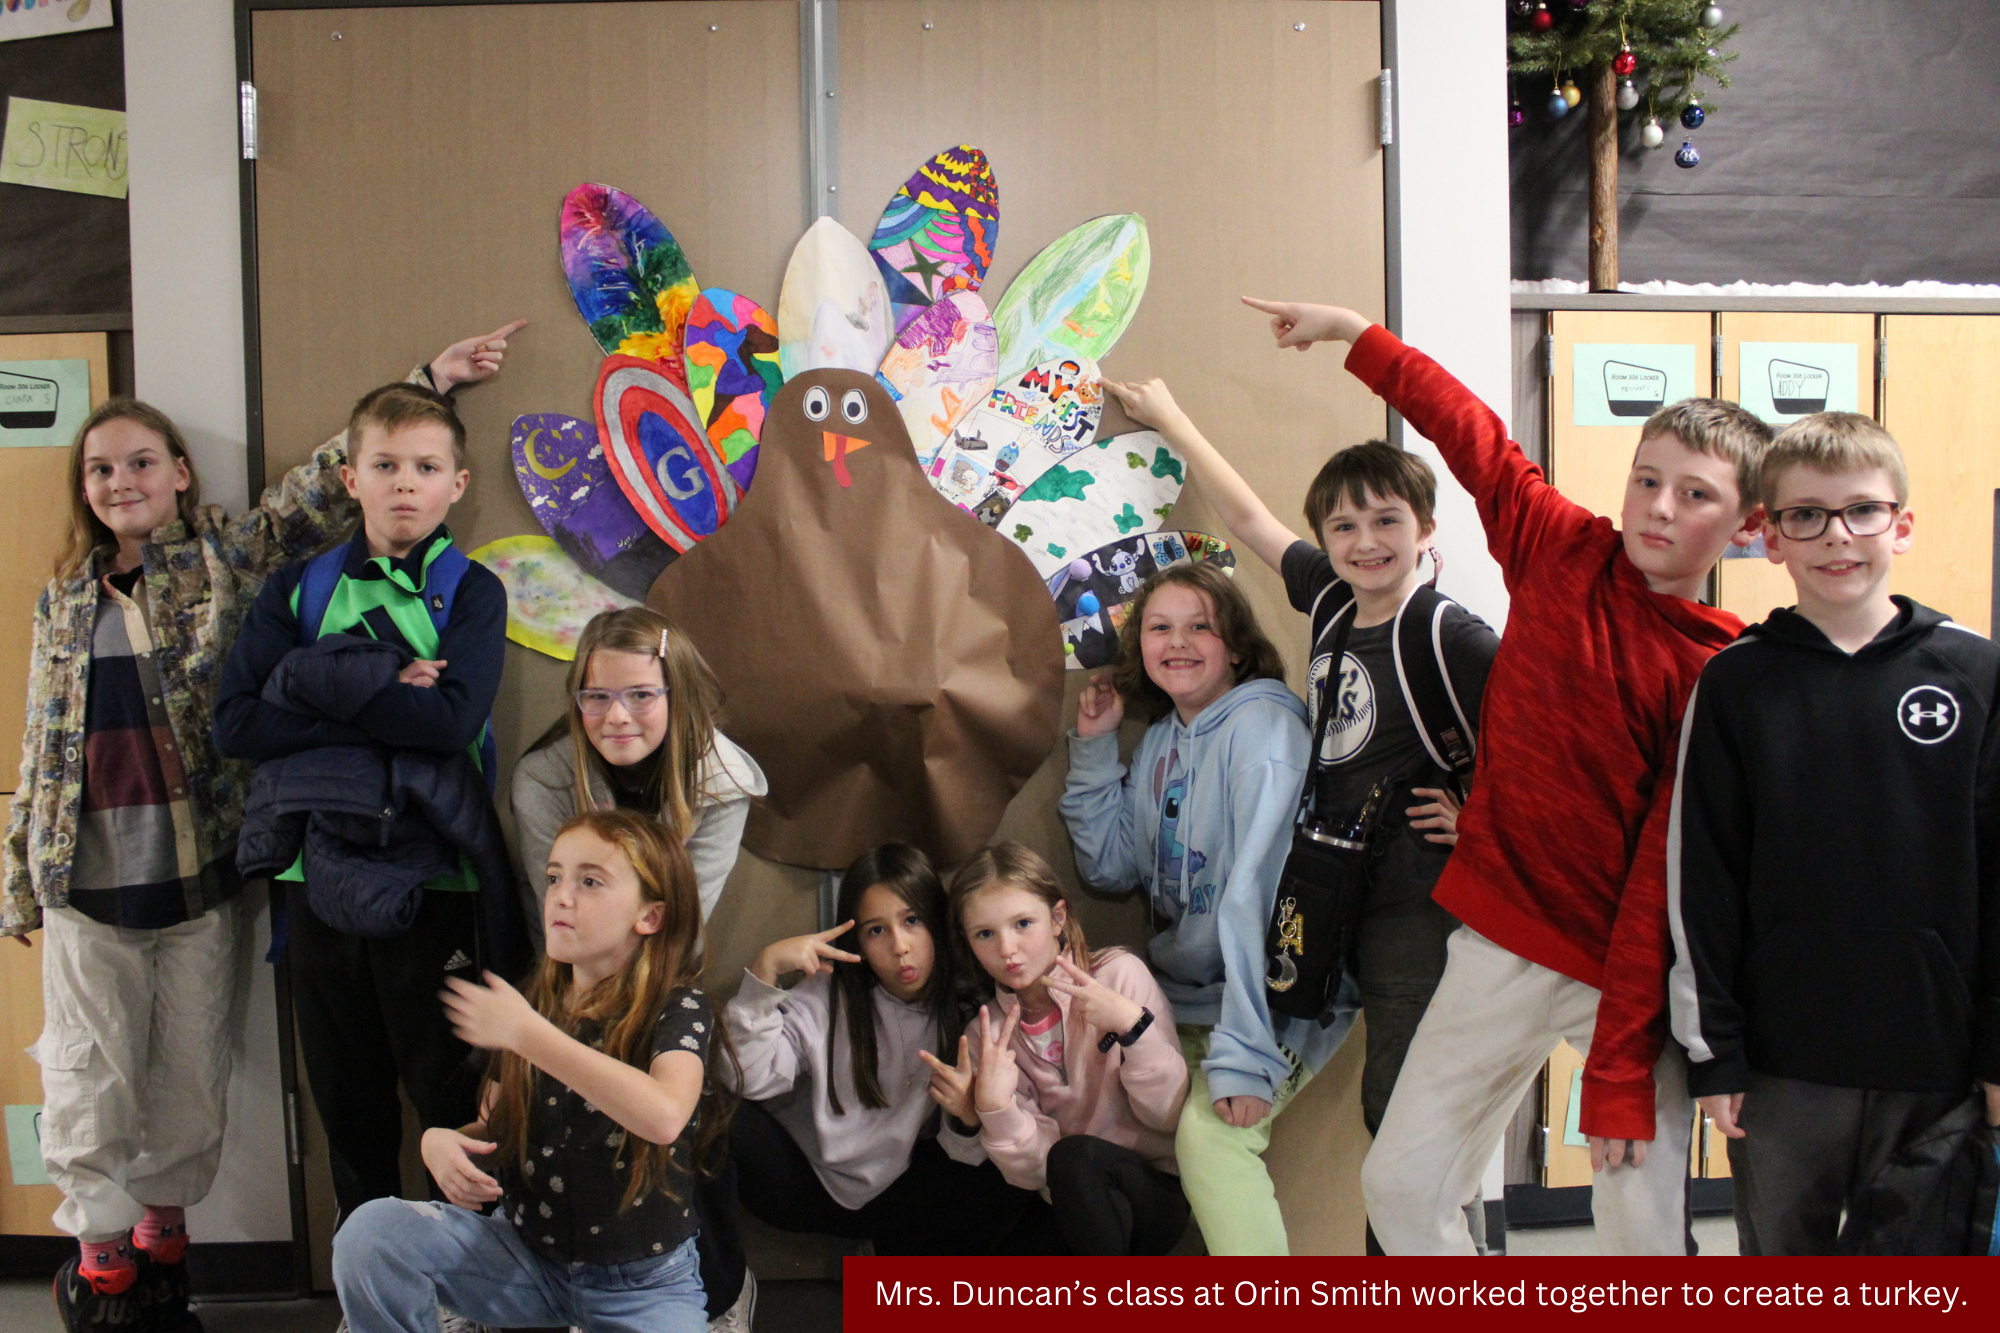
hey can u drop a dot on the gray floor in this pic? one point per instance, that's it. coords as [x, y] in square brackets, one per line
[782, 1307]
[1715, 1235]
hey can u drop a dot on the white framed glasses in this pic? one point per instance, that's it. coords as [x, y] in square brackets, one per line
[638, 700]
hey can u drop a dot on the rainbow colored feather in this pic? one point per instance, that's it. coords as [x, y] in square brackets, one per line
[937, 235]
[630, 279]
[732, 372]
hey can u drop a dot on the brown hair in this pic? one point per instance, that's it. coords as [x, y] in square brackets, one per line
[1012, 865]
[625, 1009]
[908, 874]
[1720, 429]
[87, 531]
[1235, 622]
[1376, 468]
[670, 777]
[1832, 442]
[396, 406]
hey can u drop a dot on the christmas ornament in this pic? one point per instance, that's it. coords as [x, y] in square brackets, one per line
[1515, 115]
[1543, 20]
[1558, 106]
[1652, 135]
[1628, 96]
[1571, 93]
[1711, 17]
[1522, 8]
[1624, 62]
[1692, 115]
[1687, 156]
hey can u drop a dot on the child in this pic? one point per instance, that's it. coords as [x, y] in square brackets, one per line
[1559, 872]
[1371, 508]
[837, 1133]
[595, 1118]
[1203, 821]
[1835, 914]
[1079, 1084]
[365, 1016]
[122, 835]
[639, 734]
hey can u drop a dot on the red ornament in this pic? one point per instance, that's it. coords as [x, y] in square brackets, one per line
[1624, 62]
[1542, 20]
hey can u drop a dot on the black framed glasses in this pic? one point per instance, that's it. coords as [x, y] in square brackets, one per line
[1869, 518]
[638, 700]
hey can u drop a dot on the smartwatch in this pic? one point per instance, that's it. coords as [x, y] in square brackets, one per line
[1128, 1036]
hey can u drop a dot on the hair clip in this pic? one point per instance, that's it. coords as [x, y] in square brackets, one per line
[663, 645]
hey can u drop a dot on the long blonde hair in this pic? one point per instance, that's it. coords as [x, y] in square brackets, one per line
[86, 530]
[670, 777]
[626, 1008]
[1012, 865]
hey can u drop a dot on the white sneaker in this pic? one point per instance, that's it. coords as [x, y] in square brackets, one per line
[738, 1317]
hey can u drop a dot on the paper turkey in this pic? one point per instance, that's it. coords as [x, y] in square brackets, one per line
[893, 664]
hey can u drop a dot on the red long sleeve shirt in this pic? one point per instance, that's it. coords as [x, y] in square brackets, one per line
[1561, 856]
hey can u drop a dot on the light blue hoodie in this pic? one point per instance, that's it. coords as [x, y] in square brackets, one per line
[1204, 821]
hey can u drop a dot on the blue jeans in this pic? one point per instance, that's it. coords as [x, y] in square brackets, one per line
[395, 1262]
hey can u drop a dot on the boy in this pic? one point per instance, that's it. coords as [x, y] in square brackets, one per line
[367, 1008]
[1559, 873]
[1832, 880]
[1371, 507]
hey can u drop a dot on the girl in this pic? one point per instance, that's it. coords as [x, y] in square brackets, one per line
[639, 735]
[1079, 1083]
[1203, 820]
[852, 1153]
[595, 1116]
[122, 836]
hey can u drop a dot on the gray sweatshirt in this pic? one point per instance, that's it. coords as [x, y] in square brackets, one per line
[544, 797]
[781, 1039]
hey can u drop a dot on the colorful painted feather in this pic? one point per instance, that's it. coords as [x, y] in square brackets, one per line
[939, 231]
[631, 282]
[732, 373]
[1077, 296]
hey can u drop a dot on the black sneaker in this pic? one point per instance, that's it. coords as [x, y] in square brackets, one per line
[166, 1298]
[84, 1309]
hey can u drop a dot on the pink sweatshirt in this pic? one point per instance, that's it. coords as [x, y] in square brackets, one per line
[1131, 1096]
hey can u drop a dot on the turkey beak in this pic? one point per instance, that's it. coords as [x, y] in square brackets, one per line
[838, 447]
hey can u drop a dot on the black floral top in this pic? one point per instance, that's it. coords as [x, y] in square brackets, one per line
[565, 1198]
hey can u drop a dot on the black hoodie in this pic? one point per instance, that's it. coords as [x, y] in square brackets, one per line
[1833, 873]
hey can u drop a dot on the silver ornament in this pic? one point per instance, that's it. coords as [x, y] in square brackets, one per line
[1652, 135]
[1628, 96]
[1712, 17]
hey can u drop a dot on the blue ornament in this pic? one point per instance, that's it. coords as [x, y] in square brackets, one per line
[1692, 115]
[1687, 156]
[1558, 106]
[1087, 605]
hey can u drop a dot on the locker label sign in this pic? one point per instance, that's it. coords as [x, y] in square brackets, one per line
[1621, 384]
[1781, 382]
[42, 402]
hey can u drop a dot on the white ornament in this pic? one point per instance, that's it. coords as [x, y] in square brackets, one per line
[1712, 17]
[1628, 96]
[1652, 135]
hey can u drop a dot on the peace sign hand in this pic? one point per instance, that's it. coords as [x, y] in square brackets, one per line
[998, 1074]
[951, 1086]
[1102, 1007]
[810, 954]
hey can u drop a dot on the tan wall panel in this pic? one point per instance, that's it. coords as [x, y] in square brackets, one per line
[1750, 588]
[1590, 464]
[35, 482]
[1249, 148]
[1940, 403]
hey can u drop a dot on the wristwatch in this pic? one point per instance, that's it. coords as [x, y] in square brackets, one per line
[1128, 1036]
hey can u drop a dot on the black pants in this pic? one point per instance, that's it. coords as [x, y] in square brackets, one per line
[1806, 1148]
[369, 1017]
[1106, 1199]
[937, 1206]
[717, 1244]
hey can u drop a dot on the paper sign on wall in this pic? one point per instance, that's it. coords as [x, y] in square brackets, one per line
[42, 402]
[1621, 384]
[42, 18]
[60, 147]
[1782, 382]
[24, 1145]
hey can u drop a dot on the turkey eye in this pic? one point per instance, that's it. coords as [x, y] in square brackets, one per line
[817, 403]
[854, 406]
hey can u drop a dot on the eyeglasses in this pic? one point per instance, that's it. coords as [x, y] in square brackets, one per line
[1870, 518]
[637, 700]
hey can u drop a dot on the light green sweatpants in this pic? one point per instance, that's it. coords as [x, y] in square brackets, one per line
[1222, 1167]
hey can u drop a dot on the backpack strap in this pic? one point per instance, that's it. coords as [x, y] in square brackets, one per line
[441, 582]
[316, 585]
[1447, 733]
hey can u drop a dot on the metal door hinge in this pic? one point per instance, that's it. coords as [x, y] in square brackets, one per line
[1881, 359]
[1385, 107]
[247, 93]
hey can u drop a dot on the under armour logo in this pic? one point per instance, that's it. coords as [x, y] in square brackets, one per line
[1927, 714]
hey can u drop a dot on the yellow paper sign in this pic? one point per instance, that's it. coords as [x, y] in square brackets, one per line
[61, 147]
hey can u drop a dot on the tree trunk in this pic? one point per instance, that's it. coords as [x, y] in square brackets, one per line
[1603, 100]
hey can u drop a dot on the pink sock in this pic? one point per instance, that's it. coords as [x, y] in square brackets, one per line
[162, 1233]
[109, 1265]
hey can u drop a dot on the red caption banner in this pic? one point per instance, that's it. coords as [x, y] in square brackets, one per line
[1275, 1295]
